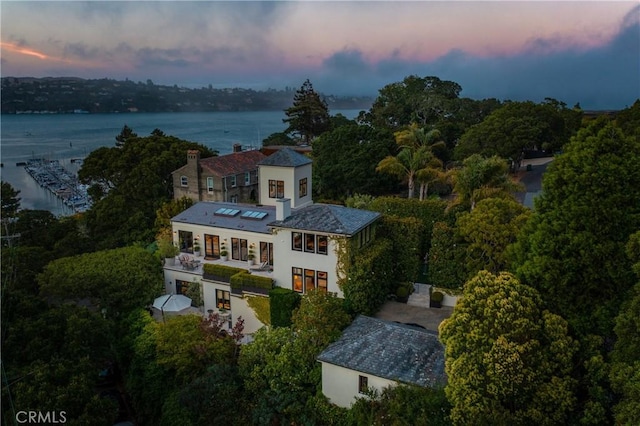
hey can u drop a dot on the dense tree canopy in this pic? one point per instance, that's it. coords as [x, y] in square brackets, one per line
[574, 249]
[488, 229]
[280, 369]
[508, 361]
[130, 182]
[308, 117]
[518, 126]
[422, 100]
[117, 280]
[345, 158]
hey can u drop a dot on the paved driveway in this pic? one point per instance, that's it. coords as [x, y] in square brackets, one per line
[429, 318]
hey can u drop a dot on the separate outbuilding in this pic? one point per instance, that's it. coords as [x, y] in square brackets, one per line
[374, 354]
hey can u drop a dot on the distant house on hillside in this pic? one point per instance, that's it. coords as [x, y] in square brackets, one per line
[374, 354]
[228, 178]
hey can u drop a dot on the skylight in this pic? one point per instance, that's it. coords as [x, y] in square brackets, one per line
[253, 215]
[223, 211]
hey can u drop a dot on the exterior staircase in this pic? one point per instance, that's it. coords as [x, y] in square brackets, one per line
[420, 296]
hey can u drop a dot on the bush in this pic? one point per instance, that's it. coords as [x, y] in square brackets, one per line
[283, 303]
[436, 299]
[402, 294]
[244, 280]
[220, 271]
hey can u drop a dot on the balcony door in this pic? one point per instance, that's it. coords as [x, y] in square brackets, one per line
[211, 246]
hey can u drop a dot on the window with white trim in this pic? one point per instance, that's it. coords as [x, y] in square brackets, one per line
[184, 181]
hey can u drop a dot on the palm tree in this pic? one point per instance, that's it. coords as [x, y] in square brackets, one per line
[481, 178]
[416, 160]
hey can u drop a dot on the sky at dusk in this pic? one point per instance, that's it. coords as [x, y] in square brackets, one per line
[586, 52]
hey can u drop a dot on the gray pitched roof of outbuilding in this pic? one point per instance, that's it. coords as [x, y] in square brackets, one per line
[389, 350]
[285, 158]
[328, 218]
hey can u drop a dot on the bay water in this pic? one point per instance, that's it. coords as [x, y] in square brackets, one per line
[67, 137]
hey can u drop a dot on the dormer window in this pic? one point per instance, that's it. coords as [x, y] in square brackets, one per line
[184, 181]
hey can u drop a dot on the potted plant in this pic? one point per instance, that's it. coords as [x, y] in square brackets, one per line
[251, 256]
[196, 248]
[436, 299]
[223, 251]
[167, 250]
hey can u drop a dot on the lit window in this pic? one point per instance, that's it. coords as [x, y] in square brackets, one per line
[209, 184]
[184, 181]
[322, 281]
[223, 299]
[309, 279]
[297, 279]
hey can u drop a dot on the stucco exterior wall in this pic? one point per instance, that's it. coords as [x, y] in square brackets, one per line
[285, 259]
[302, 172]
[267, 173]
[340, 384]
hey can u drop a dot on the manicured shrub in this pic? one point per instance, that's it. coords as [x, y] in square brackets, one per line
[246, 281]
[220, 272]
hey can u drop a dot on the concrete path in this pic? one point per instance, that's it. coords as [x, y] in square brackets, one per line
[429, 318]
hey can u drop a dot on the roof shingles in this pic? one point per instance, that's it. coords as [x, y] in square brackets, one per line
[232, 164]
[329, 218]
[286, 157]
[389, 350]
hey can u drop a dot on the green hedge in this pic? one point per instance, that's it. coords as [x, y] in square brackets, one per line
[244, 280]
[405, 234]
[283, 303]
[426, 211]
[370, 278]
[221, 270]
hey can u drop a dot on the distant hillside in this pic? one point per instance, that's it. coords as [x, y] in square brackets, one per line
[61, 95]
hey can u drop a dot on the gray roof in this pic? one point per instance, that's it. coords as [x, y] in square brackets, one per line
[285, 158]
[203, 213]
[389, 350]
[328, 218]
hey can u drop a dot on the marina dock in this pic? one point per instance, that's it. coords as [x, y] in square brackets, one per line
[50, 174]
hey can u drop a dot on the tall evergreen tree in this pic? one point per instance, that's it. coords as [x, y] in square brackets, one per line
[309, 115]
[574, 250]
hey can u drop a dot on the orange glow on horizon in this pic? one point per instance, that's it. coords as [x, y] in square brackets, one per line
[17, 49]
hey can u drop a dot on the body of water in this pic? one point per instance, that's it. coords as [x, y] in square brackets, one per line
[66, 137]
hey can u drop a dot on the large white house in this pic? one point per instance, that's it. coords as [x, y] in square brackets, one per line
[294, 241]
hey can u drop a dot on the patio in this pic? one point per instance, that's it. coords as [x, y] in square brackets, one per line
[195, 265]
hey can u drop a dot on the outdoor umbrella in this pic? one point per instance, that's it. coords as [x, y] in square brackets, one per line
[172, 302]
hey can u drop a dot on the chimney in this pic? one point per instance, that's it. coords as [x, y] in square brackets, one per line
[283, 208]
[193, 156]
[237, 147]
